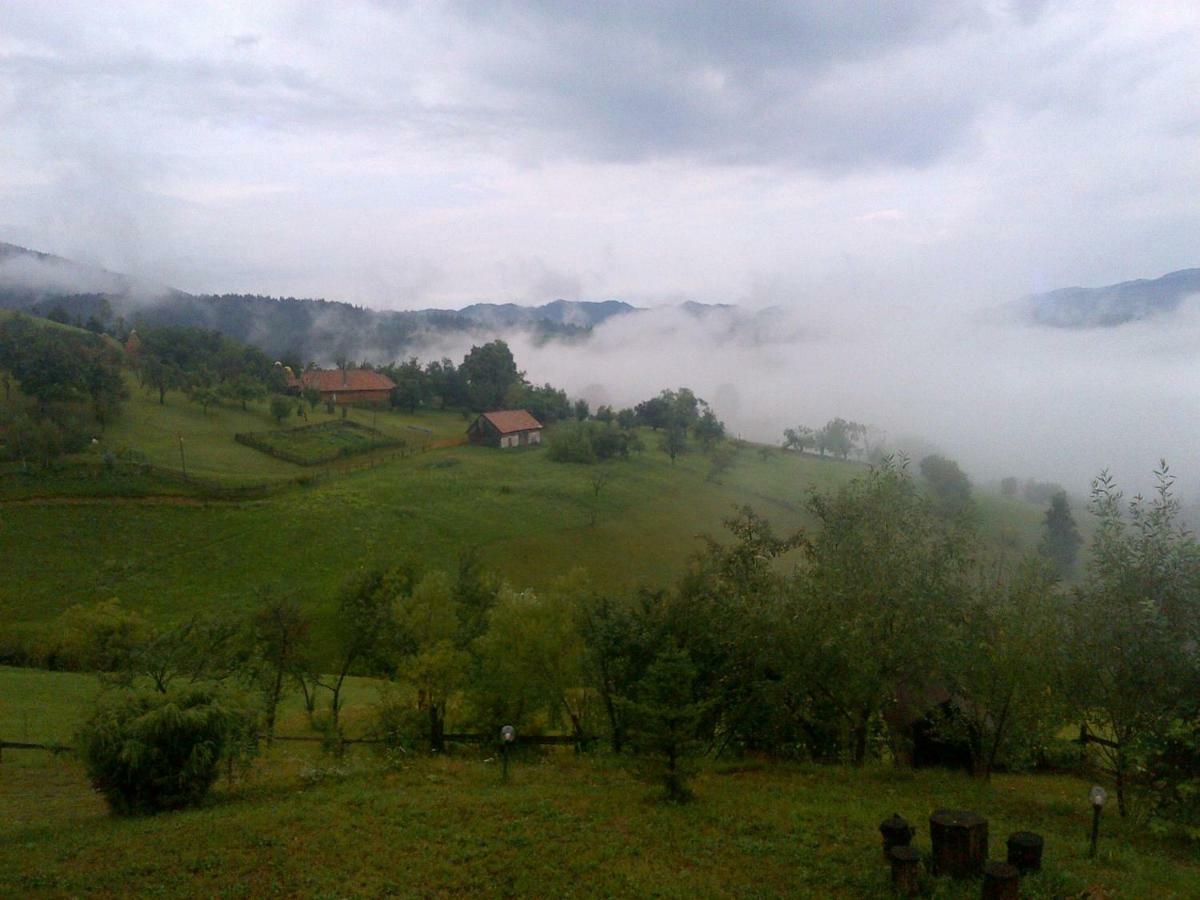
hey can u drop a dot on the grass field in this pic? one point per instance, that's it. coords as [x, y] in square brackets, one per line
[209, 450]
[565, 825]
[162, 547]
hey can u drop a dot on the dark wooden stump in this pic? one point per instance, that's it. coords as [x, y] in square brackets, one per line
[1025, 851]
[896, 833]
[906, 870]
[960, 843]
[1001, 881]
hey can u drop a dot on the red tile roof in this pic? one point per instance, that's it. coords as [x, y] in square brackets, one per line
[506, 421]
[334, 380]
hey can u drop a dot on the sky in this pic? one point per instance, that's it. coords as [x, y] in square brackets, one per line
[896, 170]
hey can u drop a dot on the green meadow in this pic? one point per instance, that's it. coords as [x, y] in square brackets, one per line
[304, 823]
[168, 549]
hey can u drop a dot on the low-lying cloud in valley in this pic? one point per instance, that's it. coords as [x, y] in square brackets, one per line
[1004, 397]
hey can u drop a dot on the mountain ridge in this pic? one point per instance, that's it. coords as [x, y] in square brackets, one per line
[1115, 304]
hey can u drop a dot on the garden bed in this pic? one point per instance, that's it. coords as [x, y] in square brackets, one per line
[312, 445]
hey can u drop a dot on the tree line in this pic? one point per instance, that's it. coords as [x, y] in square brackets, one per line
[59, 386]
[887, 631]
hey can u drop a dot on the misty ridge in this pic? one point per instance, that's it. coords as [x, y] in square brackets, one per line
[1058, 385]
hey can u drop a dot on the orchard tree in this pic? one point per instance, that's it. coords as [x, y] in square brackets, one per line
[1134, 627]
[839, 437]
[531, 661]
[429, 628]
[708, 430]
[799, 438]
[674, 441]
[363, 632]
[279, 635]
[1008, 709]
[281, 408]
[160, 374]
[244, 389]
[206, 397]
[949, 484]
[655, 413]
[881, 583]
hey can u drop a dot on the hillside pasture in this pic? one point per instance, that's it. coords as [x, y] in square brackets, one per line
[528, 518]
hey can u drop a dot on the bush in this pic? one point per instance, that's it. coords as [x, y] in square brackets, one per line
[150, 752]
[588, 442]
[399, 725]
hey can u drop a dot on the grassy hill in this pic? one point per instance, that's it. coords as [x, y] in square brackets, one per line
[564, 825]
[173, 553]
[167, 548]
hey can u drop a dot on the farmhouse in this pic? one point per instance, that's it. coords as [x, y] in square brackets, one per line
[506, 428]
[345, 386]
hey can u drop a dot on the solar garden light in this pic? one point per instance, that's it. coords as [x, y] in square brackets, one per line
[1098, 796]
[508, 734]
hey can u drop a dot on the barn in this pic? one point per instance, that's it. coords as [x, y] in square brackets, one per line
[505, 428]
[346, 386]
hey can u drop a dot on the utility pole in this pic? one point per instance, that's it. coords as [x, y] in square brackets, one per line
[182, 460]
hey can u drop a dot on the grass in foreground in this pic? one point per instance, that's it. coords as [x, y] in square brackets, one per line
[304, 824]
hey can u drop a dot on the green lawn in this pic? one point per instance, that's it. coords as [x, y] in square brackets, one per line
[564, 825]
[304, 823]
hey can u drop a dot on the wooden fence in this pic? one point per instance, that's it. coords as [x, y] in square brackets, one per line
[561, 740]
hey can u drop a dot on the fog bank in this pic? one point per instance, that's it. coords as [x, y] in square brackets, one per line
[1002, 397]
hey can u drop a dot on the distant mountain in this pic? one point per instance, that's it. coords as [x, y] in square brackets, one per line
[1116, 304]
[299, 329]
[574, 313]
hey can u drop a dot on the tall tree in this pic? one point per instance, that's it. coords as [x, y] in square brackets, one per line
[489, 372]
[1135, 626]
[949, 484]
[881, 584]
[1060, 537]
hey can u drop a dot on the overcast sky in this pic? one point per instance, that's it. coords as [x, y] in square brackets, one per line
[411, 154]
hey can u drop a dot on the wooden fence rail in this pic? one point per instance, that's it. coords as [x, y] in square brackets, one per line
[25, 745]
[561, 740]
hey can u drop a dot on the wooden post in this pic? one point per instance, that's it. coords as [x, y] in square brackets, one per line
[1025, 851]
[906, 870]
[960, 843]
[1001, 881]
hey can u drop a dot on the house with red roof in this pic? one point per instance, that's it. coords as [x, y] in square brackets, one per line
[345, 386]
[505, 428]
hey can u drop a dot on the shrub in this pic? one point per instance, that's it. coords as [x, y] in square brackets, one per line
[147, 752]
[588, 442]
[399, 725]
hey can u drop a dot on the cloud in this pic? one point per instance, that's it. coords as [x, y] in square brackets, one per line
[1001, 397]
[880, 172]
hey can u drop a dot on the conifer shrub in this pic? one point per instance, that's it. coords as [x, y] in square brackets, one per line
[148, 752]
